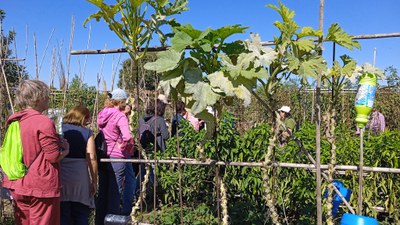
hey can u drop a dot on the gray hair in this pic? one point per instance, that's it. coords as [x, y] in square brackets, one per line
[30, 93]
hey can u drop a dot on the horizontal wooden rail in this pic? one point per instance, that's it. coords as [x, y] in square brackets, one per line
[265, 43]
[188, 161]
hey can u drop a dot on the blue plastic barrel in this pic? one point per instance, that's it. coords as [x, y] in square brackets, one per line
[351, 219]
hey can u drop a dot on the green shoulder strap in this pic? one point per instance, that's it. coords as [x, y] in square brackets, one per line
[11, 154]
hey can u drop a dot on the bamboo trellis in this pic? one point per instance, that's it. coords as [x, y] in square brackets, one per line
[313, 167]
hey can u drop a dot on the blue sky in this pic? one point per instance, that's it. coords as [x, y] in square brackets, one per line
[357, 17]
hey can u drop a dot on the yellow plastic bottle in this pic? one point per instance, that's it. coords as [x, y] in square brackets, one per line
[365, 98]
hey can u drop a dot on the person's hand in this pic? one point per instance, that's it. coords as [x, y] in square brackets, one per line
[64, 144]
[64, 147]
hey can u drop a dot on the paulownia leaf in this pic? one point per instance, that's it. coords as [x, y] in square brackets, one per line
[180, 41]
[226, 31]
[170, 79]
[202, 94]
[243, 93]
[219, 80]
[306, 45]
[312, 67]
[337, 35]
[167, 60]
[292, 62]
[309, 31]
[260, 55]
[188, 29]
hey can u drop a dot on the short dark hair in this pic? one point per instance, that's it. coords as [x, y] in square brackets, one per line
[151, 108]
[180, 107]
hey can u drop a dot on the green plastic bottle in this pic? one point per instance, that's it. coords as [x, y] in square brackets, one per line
[365, 98]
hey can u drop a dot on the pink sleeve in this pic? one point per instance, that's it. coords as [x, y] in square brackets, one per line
[125, 132]
[194, 121]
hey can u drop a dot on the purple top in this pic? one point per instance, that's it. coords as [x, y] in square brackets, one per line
[115, 127]
[377, 122]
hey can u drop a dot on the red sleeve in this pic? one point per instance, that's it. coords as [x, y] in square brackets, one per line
[49, 141]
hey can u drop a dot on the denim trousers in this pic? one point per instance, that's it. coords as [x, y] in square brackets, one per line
[129, 189]
[74, 213]
[111, 180]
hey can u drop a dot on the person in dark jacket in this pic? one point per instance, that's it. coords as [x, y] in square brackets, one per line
[180, 113]
[158, 127]
[155, 118]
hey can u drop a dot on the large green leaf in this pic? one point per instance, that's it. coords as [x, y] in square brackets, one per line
[202, 94]
[167, 60]
[180, 41]
[219, 80]
[188, 29]
[226, 31]
[259, 55]
[170, 79]
[306, 45]
[192, 75]
[312, 67]
[243, 93]
[285, 12]
[255, 73]
[309, 31]
[292, 62]
[337, 35]
[347, 69]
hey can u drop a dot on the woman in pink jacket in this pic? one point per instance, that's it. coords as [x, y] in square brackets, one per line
[115, 127]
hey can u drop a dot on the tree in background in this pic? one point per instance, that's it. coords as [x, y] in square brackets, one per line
[12, 70]
[131, 69]
[392, 77]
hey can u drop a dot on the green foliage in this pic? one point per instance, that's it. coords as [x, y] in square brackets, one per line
[392, 77]
[300, 54]
[132, 23]
[170, 215]
[201, 66]
[14, 72]
[294, 187]
[77, 94]
[132, 69]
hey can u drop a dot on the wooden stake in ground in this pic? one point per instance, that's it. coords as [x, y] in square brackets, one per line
[361, 173]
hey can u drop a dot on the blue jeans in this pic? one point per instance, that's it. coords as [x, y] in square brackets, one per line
[129, 190]
[74, 213]
[111, 180]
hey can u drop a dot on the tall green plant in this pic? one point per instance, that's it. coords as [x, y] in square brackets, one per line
[200, 65]
[135, 22]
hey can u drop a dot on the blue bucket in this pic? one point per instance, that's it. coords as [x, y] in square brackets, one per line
[336, 199]
[351, 219]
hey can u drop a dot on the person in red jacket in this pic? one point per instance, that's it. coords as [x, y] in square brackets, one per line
[37, 195]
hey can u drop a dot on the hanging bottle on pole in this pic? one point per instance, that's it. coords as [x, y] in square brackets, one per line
[365, 98]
